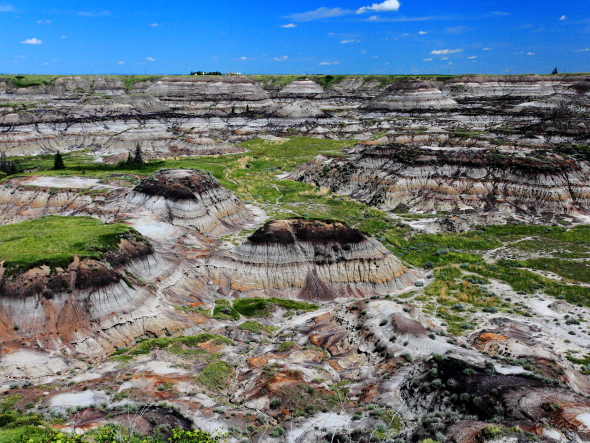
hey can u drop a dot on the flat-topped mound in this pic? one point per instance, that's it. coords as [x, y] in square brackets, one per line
[302, 87]
[309, 259]
[192, 199]
[201, 87]
[55, 241]
[178, 184]
[316, 231]
[298, 109]
[410, 94]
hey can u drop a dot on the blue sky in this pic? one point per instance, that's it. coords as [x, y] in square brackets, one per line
[311, 36]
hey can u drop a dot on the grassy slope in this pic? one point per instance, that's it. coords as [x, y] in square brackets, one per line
[54, 240]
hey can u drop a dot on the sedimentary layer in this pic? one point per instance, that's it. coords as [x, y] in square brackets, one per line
[395, 176]
[313, 260]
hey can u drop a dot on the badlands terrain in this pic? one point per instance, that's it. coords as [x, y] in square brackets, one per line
[300, 259]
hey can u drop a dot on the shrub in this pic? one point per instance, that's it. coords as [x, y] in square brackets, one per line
[275, 403]
[407, 357]
[277, 432]
[286, 345]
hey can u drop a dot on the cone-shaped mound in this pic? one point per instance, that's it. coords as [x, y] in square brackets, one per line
[299, 109]
[302, 87]
[192, 199]
[410, 94]
[309, 259]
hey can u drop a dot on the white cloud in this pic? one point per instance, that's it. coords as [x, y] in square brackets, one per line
[329, 63]
[243, 58]
[319, 14]
[32, 41]
[387, 5]
[154, 25]
[290, 25]
[376, 56]
[427, 60]
[121, 63]
[43, 21]
[446, 51]
[502, 13]
[349, 41]
[282, 58]
[94, 14]
[422, 32]
[487, 49]
[518, 53]
[563, 17]
[582, 50]
[150, 59]
[444, 58]
[374, 17]
[472, 57]
[140, 63]
[530, 53]
[7, 8]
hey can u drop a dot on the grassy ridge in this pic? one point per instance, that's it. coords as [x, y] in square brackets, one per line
[55, 240]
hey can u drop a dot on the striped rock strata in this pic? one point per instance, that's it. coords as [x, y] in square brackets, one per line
[311, 260]
[186, 198]
[90, 306]
[408, 95]
[421, 179]
[191, 199]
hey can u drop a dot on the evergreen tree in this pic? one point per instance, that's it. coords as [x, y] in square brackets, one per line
[58, 162]
[554, 71]
[5, 166]
[129, 158]
[137, 156]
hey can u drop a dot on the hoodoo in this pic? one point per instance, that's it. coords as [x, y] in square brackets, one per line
[191, 199]
[310, 259]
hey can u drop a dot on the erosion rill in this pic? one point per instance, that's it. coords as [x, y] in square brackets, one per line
[308, 258]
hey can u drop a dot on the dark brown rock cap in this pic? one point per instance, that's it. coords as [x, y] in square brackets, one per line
[178, 184]
[299, 230]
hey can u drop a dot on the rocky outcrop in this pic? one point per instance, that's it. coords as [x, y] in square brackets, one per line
[313, 260]
[90, 306]
[187, 198]
[301, 88]
[298, 109]
[421, 179]
[410, 95]
[191, 199]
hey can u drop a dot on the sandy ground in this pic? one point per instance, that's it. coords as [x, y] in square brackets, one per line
[68, 182]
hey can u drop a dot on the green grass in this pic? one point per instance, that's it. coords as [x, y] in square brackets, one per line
[215, 376]
[148, 345]
[255, 327]
[223, 310]
[261, 307]
[55, 240]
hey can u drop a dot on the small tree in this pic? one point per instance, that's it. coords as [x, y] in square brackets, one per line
[137, 156]
[58, 162]
[554, 71]
[7, 167]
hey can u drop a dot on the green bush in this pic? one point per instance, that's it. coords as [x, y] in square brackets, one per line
[215, 376]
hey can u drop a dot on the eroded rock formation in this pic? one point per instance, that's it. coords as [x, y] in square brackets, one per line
[314, 260]
[395, 176]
